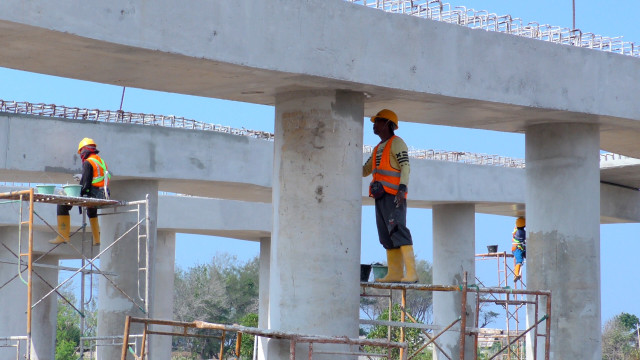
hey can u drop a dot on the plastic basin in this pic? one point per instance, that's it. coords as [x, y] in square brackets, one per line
[72, 190]
[46, 189]
[492, 248]
[379, 271]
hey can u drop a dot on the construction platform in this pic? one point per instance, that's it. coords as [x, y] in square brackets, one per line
[61, 199]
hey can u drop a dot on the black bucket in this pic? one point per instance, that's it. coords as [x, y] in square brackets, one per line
[365, 271]
[492, 248]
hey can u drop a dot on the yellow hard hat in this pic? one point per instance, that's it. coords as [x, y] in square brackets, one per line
[520, 222]
[84, 142]
[387, 115]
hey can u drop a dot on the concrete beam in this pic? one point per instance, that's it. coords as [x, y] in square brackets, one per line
[494, 190]
[248, 51]
[238, 166]
[179, 214]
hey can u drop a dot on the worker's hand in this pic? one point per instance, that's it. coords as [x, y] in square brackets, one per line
[77, 177]
[400, 198]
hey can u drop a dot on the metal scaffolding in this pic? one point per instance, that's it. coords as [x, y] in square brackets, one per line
[26, 261]
[460, 325]
[186, 330]
[513, 304]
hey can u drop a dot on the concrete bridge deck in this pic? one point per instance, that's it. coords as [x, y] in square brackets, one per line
[242, 167]
[253, 51]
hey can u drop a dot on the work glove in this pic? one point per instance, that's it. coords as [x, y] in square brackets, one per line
[77, 177]
[400, 198]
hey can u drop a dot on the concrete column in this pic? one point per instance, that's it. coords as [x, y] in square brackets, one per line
[13, 295]
[122, 259]
[13, 299]
[44, 315]
[453, 254]
[315, 245]
[563, 231]
[162, 304]
[263, 294]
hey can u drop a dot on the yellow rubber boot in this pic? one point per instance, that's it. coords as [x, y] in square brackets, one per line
[394, 264]
[95, 230]
[409, 263]
[64, 229]
[516, 272]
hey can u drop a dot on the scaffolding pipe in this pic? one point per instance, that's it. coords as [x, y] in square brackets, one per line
[30, 274]
[463, 314]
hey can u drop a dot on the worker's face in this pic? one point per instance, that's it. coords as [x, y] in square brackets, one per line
[380, 125]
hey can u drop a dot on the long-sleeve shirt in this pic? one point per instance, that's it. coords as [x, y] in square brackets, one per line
[87, 177]
[399, 159]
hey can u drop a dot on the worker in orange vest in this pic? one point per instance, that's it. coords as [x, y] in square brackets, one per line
[94, 180]
[518, 247]
[390, 171]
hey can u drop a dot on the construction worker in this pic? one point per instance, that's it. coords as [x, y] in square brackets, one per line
[389, 189]
[94, 180]
[518, 247]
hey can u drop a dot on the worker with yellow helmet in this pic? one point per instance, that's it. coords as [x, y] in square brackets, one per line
[518, 247]
[94, 181]
[390, 171]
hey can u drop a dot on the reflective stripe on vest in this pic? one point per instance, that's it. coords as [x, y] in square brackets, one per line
[99, 169]
[518, 239]
[384, 173]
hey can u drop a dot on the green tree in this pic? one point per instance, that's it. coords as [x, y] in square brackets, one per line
[223, 291]
[67, 328]
[619, 338]
[413, 337]
[246, 346]
[628, 321]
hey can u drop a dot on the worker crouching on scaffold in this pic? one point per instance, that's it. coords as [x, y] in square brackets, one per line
[94, 181]
[518, 247]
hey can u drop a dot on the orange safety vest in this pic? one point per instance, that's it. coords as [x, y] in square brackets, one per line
[99, 170]
[384, 173]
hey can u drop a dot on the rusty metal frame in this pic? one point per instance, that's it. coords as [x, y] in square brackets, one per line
[467, 290]
[293, 338]
[32, 197]
[510, 306]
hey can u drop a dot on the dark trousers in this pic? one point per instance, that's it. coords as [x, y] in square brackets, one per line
[96, 193]
[392, 223]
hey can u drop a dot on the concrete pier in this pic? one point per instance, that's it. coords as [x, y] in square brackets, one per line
[44, 315]
[13, 302]
[263, 294]
[315, 245]
[563, 245]
[122, 259]
[453, 254]
[162, 299]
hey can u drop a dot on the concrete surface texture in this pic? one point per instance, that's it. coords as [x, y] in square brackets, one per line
[453, 255]
[253, 51]
[136, 280]
[494, 189]
[323, 73]
[13, 303]
[316, 217]
[563, 251]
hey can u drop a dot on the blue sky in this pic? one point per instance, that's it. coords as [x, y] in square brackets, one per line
[618, 242]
